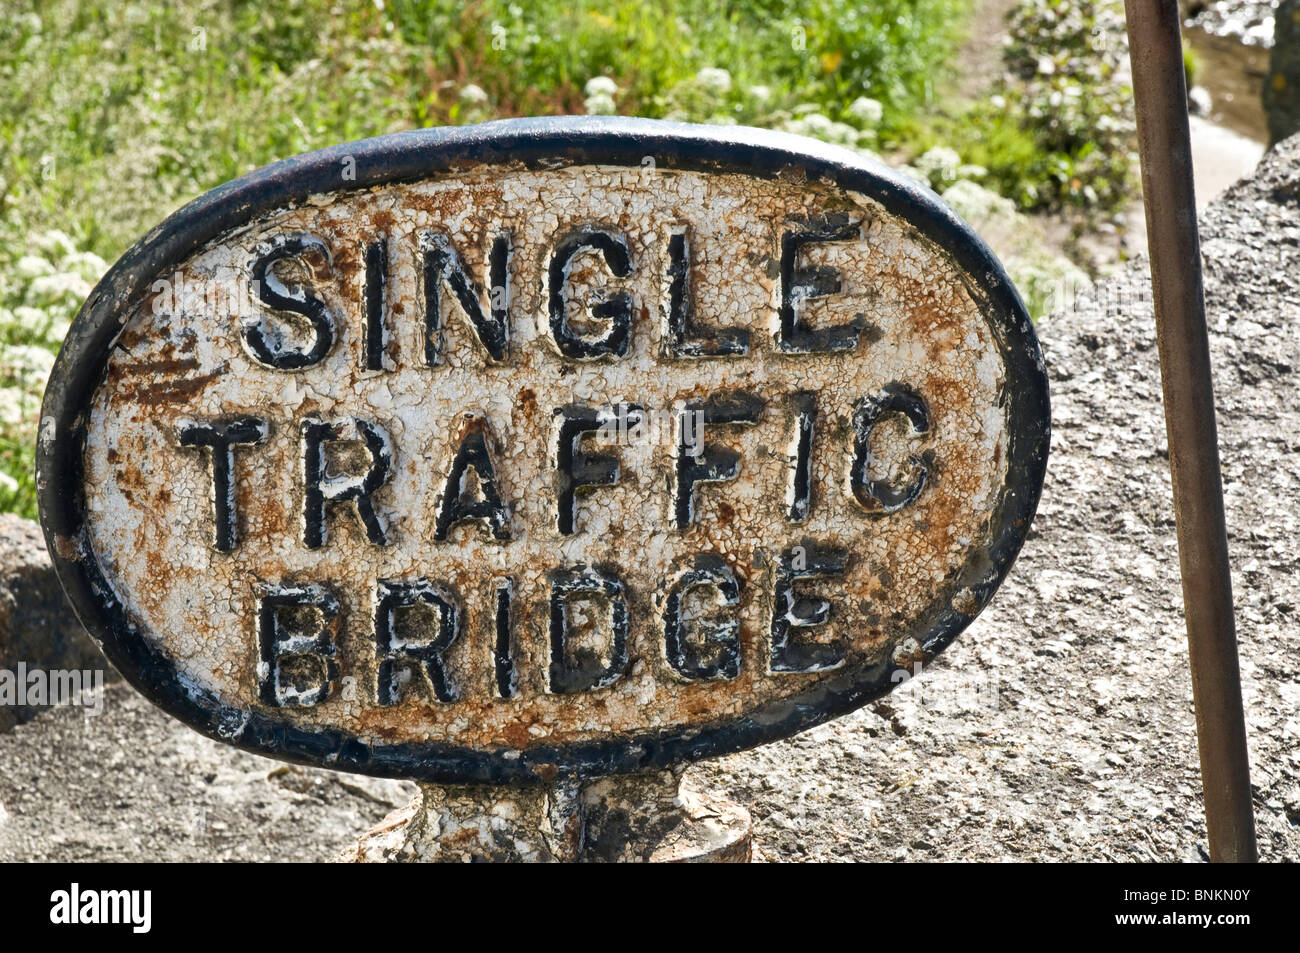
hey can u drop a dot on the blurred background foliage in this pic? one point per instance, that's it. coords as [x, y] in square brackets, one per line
[113, 114]
[143, 105]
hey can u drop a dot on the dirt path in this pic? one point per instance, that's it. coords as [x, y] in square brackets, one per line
[1219, 158]
[979, 61]
[1220, 154]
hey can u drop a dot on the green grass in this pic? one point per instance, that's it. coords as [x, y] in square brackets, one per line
[113, 114]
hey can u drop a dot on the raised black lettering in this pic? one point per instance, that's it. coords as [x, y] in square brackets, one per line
[799, 498]
[709, 648]
[576, 470]
[465, 498]
[321, 487]
[874, 494]
[295, 626]
[701, 462]
[792, 612]
[442, 265]
[221, 438]
[273, 346]
[503, 657]
[684, 336]
[418, 643]
[577, 664]
[376, 305]
[799, 284]
[617, 307]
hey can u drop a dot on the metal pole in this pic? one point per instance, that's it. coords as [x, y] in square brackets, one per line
[1159, 88]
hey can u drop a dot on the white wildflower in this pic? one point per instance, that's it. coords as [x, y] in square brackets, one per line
[31, 319]
[866, 110]
[14, 403]
[600, 105]
[714, 80]
[600, 91]
[977, 204]
[912, 173]
[817, 124]
[939, 165]
[600, 86]
[55, 244]
[841, 133]
[29, 364]
[86, 264]
[60, 288]
[473, 95]
[32, 266]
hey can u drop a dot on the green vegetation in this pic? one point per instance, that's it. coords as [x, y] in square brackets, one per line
[112, 115]
[139, 106]
[1062, 134]
[39, 293]
[1191, 64]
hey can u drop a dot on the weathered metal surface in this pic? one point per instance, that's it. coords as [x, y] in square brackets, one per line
[541, 447]
[651, 817]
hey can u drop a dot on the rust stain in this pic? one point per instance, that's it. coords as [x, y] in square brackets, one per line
[151, 501]
[66, 547]
[528, 402]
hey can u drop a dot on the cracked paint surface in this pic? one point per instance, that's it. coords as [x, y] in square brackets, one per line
[149, 499]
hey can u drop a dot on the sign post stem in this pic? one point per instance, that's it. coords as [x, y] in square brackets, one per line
[1160, 93]
[636, 817]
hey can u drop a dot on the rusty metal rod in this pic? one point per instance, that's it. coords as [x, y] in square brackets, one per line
[1160, 93]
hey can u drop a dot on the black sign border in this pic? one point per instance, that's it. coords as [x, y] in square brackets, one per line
[534, 143]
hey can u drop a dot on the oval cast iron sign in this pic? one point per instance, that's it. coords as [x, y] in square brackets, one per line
[544, 446]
